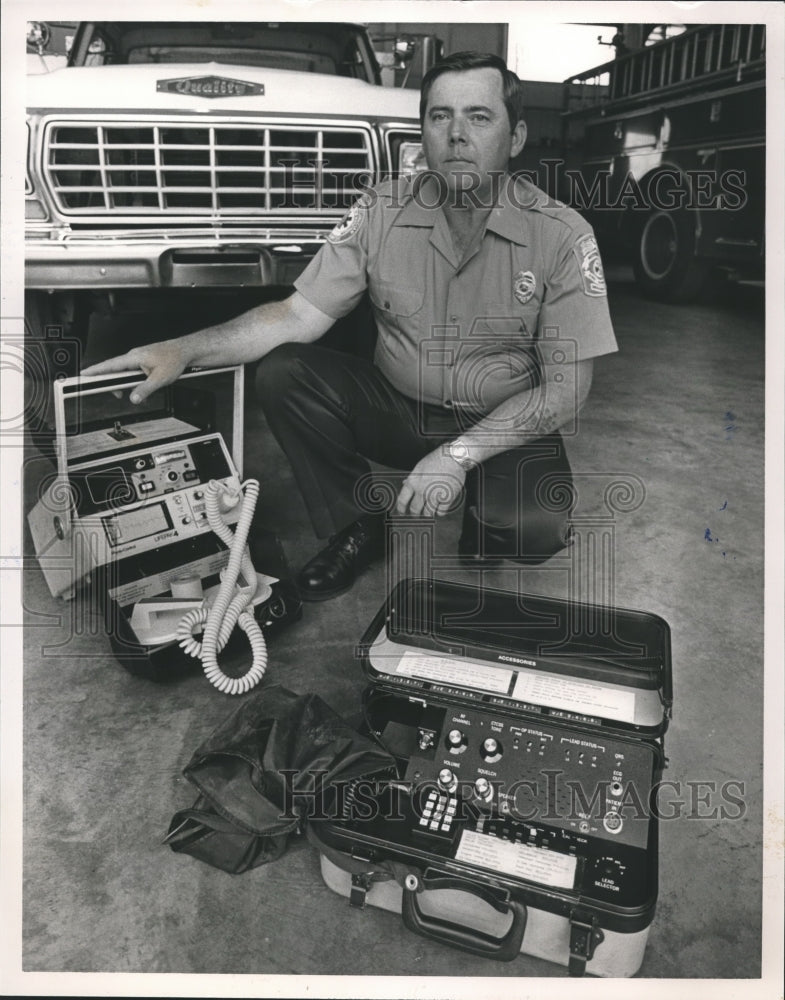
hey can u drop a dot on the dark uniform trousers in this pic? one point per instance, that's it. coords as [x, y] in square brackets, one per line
[333, 412]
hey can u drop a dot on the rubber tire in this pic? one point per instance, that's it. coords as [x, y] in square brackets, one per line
[55, 341]
[664, 261]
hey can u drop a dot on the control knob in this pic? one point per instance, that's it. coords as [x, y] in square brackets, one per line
[454, 739]
[447, 780]
[483, 789]
[491, 749]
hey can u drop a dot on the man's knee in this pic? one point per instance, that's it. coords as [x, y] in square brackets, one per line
[523, 510]
[274, 371]
[534, 536]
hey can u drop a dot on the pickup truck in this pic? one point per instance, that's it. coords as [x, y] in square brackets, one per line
[175, 157]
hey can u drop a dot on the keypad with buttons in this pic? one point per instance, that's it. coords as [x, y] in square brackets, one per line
[439, 812]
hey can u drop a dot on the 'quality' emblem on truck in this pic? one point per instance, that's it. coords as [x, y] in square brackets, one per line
[209, 86]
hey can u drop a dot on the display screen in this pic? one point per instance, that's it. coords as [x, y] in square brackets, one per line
[139, 523]
[110, 486]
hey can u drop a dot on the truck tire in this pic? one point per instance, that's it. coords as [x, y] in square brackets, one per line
[55, 339]
[664, 260]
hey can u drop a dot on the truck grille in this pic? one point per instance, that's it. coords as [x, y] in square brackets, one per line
[204, 169]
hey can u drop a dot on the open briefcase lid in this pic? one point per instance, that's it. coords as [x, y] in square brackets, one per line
[586, 663]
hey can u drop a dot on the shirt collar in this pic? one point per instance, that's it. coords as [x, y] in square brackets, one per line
[505, 219]
[508, 218]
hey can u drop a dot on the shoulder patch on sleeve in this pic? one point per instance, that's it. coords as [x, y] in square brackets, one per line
[349, 224]
[588, 256]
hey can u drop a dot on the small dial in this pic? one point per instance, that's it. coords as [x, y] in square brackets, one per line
[491, 750]
[609, 870]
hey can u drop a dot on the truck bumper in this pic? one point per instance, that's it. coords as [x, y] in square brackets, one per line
[165, 263]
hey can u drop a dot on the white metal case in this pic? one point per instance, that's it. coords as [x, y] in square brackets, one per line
[528, 739]
[127, 509]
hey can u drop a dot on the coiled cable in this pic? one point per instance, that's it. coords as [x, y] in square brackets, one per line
[231, 606]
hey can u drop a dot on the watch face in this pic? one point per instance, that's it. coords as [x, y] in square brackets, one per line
[460, 453]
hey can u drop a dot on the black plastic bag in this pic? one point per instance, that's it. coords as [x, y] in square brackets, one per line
[262, 773]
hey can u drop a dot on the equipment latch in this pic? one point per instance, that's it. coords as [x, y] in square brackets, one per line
[361, 883]
[585, 935]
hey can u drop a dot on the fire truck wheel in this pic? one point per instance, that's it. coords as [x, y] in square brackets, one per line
[664, 262]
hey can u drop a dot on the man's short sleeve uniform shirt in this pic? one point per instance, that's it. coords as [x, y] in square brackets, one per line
[471, 331]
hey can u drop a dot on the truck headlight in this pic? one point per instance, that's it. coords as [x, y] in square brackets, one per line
[411, 159]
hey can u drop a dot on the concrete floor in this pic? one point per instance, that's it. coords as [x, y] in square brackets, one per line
[680, 407]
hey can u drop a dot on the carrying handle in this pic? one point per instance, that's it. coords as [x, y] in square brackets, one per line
[503, 949]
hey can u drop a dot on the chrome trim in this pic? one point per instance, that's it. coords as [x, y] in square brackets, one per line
[152, 184]
[404, 131]
[95, 263]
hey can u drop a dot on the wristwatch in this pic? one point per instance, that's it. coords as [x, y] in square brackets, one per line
[459, 453]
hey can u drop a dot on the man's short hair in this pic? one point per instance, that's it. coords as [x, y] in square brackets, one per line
[512, 88]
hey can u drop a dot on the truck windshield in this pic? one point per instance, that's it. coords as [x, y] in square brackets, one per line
[304, 62]
[332, 49]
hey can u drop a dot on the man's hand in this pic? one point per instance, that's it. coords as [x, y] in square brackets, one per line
[433, 486]
[162, 363]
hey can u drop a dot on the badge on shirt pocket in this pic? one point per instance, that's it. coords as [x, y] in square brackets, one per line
[524, 285]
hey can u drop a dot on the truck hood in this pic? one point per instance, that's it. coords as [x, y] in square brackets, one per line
[121, 88]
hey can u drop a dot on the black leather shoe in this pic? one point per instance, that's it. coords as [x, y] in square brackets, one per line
[333, 570]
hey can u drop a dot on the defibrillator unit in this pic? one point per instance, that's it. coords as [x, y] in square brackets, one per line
[142, 507]
[528, 737]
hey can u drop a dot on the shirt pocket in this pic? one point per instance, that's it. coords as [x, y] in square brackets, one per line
[505, 336]
[505, 321]
[394, 301]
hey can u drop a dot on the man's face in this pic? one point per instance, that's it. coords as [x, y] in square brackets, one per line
[466, 130]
